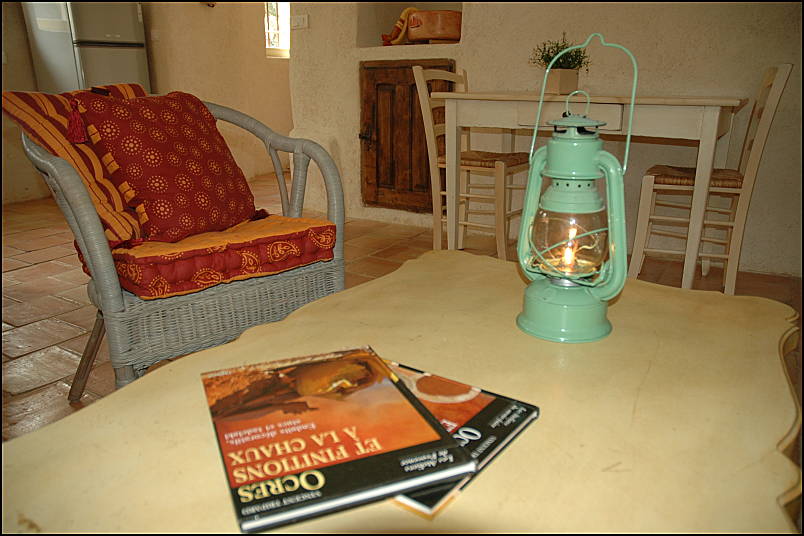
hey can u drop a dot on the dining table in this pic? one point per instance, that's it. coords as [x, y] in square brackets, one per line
[705, 120]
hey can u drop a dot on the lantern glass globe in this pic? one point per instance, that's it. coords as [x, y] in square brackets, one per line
[571, 244]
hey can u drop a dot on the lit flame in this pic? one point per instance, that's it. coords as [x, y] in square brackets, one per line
[569, 257]
[569, 251]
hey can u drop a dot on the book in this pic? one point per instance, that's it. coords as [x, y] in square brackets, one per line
[312, 435]
[482, 422]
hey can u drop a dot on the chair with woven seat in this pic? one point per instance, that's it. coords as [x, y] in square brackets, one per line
[502, 166]
[663, 184]
[142, 332]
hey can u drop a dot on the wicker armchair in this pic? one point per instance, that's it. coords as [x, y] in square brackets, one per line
[143, 332]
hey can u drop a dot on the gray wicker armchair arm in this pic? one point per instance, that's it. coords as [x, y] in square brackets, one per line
[74, 201]
[303, 150]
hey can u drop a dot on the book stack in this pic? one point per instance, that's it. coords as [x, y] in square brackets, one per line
[313, 435]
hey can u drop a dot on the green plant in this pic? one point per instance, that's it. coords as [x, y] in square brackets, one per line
[544, 54]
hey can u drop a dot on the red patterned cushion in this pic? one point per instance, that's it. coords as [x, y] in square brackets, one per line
[45, 118]
[254, 248]
[169, 161]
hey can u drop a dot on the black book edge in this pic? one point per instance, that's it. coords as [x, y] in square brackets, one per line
[352, 500]
[451, 489]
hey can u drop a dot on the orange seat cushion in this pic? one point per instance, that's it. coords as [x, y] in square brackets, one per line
[45, 118]
[254, 248]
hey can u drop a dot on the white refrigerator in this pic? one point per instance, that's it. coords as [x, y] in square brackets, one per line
[77, 45]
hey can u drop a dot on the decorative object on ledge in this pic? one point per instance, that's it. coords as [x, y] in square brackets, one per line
[435, 26]
[570, 247]
[561, 82]
[398, 35]
[415, 26]
[563, 78]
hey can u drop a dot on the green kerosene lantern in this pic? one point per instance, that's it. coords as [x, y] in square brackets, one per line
[571, 245]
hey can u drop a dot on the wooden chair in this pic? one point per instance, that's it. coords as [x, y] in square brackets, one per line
[502, 166]
[662, 184]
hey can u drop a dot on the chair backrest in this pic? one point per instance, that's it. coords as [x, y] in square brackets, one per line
[432, 129]
[765, 104]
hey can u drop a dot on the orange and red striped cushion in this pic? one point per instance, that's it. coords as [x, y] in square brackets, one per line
[45, 118]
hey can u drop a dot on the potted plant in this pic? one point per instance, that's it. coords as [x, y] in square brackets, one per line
[563, 77]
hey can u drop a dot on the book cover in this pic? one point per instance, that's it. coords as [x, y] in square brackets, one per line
[482, 422]
[312, 435]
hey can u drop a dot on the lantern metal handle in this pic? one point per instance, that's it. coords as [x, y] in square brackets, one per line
[633, 93]
[612, 282]
[534, 184]
[588, 102]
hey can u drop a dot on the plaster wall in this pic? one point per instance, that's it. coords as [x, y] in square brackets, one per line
[218, 54]
[21, 182]
[692, 49]
[215, 53]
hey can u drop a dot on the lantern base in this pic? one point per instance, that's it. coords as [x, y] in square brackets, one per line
[563, 313]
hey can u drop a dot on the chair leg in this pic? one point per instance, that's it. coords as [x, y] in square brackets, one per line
[642, 233]
[509, 203]
[437, 211]
[728, 247]
[730, 277]
[706, 263]
[87, 359]
[124, 375]
[436, 231]
[499, 210]
[735, 243]
[463, 208]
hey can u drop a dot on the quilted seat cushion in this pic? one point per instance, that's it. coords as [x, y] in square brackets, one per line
[253, 248]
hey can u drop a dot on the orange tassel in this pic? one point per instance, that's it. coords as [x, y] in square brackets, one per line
[76, 130]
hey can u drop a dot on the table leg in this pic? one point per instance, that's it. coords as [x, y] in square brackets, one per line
[703, 173]
[453, 155]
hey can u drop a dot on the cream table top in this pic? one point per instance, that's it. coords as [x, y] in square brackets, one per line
[533, 96]
[674, 422]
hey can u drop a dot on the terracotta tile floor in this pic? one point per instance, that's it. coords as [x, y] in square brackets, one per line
[47, 319]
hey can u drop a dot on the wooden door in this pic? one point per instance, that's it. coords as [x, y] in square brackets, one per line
[393, 151]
